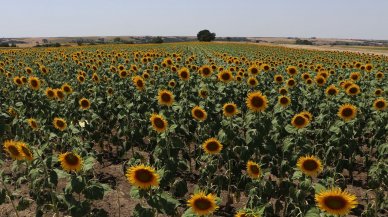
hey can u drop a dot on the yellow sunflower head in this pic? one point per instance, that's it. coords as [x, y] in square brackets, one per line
[60, 124]
[283, 91]
[353, 90]
[307, 115]
[335, 201]
[202, 204]
[33, 123]
[67, 88]
[291, 82]
[70, 161]
[229, 109]
[12, 148]
[347, 112]
[139, 82]
[142, 176]
[355, 76]
[379, 75]
[81, 78]
[253, 170]
[331, 90]
[199, 113]
[299, 121]
[291, 70]
[252, 81]
[172, 83]
[225, 76]
[310, 165]
[84, 103]
[320, 80]
[212, 146]
[18, 81]
[184, 74]
[253, 70]
[380, 104]
[158, 123]
[34, 83]
[256, 101]
[278, 79]
[379, 92]
[59, 94]
[284, 101]
[206, 71]
[165, 97]
[25, 151]
[50, 93]
[203, 93]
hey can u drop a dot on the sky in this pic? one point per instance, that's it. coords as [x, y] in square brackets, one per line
[351, 19]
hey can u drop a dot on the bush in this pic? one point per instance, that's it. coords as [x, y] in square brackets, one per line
[206, 35]
[303, 42]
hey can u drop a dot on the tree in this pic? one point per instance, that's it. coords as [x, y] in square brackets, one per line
[157, 40]
[117, 40]
[206, 35]
[45, 41]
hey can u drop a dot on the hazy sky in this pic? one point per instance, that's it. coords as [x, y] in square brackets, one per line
[366, 19]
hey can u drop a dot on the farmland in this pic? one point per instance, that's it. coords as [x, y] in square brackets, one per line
[191, 129]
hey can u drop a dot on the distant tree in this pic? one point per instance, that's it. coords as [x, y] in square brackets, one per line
[45, 41]
[206, 35]
[117, 40]
[4, 44]
[228, 38]
[303, 42]
[101, 40]
[157, 40]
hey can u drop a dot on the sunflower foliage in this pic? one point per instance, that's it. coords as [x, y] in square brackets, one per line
[198, 129]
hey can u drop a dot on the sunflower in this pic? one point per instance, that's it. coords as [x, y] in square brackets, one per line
[25, 151]
[184, 74]
[33, 123]
[60, 124]
[229, 109]
[138, 82]
[305, 76]
[142, 176]
[253, 170]
[368, 67]
[67, 88]
[347, 112]
[12, 148]
[158, 123]
[320, 80]
[202, 204]
[284, 101]
[225, 76]
[380, 104]
[283, 91]
[246, 213]
[291, 82]
[355, 76]
[256, 101]
[299, 121]
[278, 79]
[307, 115]
[291, 70]
[379, 75]
[81, 78]
[252, 81]
[24, 79]
[199, 113]
[206, 71]
[309, 81]
[34, 83]
[70, 161]
[335, 201]
[50, 93]
[84, 103]
[18, 81]
[353, 90]
[165, 97]
[309, 165]
[212, 146]
[59, 94]
[331, 90]
[172, 83]
[253, 70]
[378, 92]
[203, 93]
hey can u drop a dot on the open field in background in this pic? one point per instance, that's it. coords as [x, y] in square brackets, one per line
[185, 129]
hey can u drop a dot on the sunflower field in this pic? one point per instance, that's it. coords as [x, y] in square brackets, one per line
[193, 129]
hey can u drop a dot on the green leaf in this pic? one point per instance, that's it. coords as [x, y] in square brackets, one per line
[179, 188]
[53, 177]
[62, 174]
[94, 192]
[23, 204]
[88, 163]
[134, 193]
[189, 213]
[77, 184]
[297, 175]
[318, 188]
[164, 203]
[3, 195]
[142, 212]
[313, 212]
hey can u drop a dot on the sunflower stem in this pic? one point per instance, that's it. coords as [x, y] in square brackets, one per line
[9, 196]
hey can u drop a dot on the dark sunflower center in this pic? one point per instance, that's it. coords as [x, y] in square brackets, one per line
[299, 120]
[34, 124]
[347, 112]
[71, 159]
[206, 71]
[66, 89]
[202, 204]
[26, 151]
[19, 81]
[229, 109]
[257, 101]
[212, 146]
[84, 103]
[284, 100]
[13, 150]
[254, 71]
[166, 97]
[279, 79]
[332, 91]
[283, 91]
[60, 94]
[380, 104]
[34, 83]
[50, 93]
[184, 74]
[254, 169]
[198, 113]
[305, 76]
[252, 82]
[310, 165]
[378, 92]
[335, 202]
[60, 124]
[292, 71]
[139, 83]
[320, 80]
[225, 76]
[159, 123]
[291, 82]
[266, 68]
[143, 175]
[353, 90]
